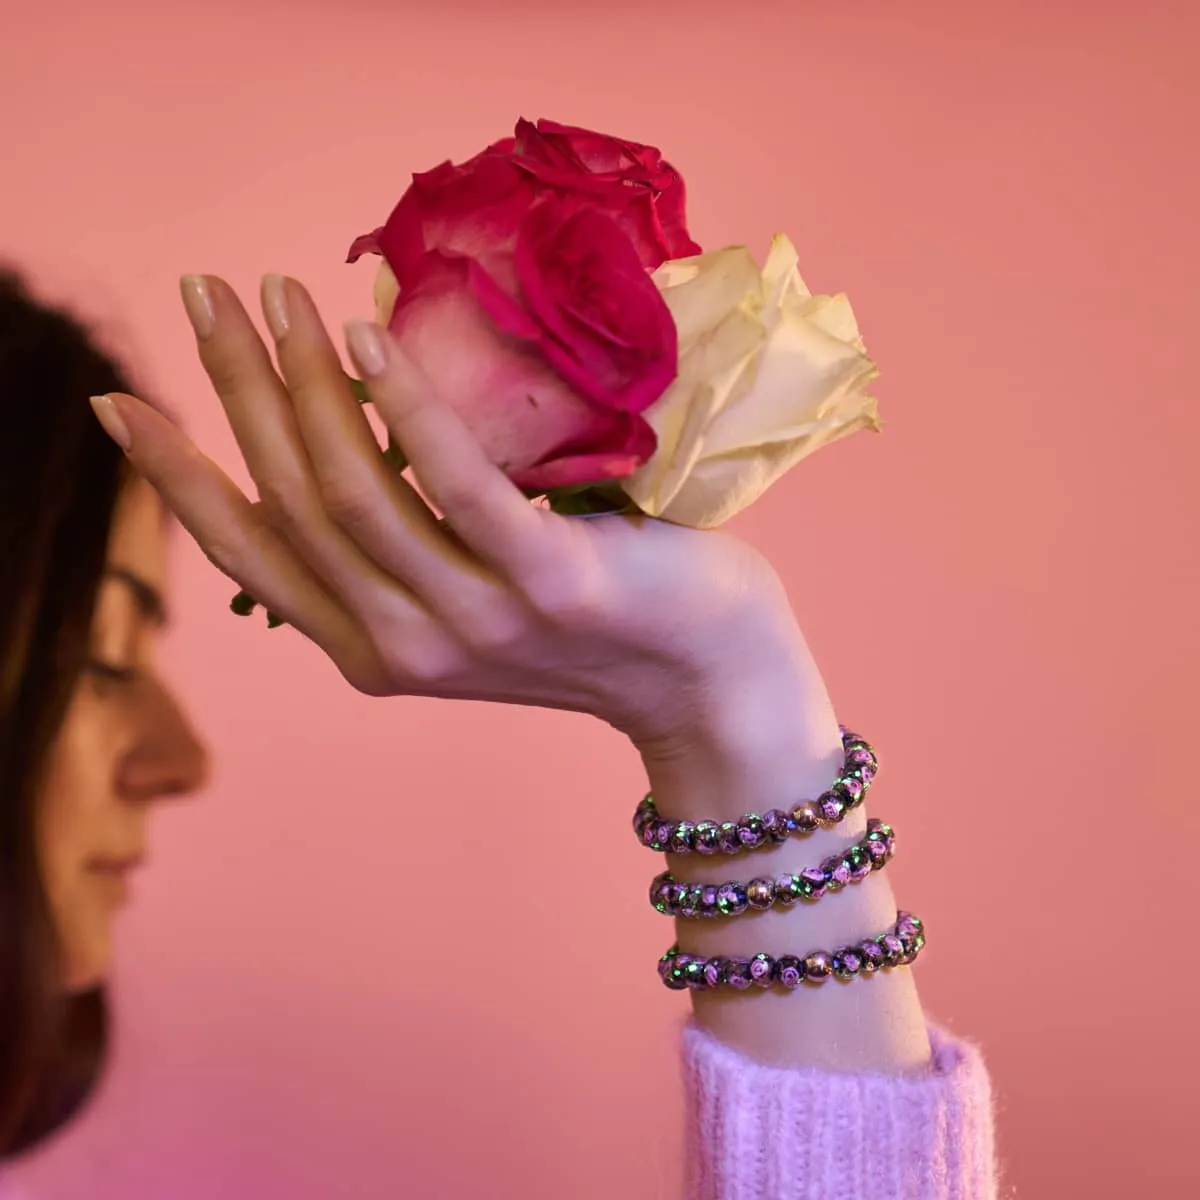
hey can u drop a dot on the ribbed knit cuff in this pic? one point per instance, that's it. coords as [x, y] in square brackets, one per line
[770, 1133]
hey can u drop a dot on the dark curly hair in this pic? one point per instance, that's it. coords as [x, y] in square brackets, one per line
[60, 477]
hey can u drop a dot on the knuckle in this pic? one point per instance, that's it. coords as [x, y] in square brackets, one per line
[419, 664]
[279, 502]
[562, 600]
[348, 503]
[495, 632]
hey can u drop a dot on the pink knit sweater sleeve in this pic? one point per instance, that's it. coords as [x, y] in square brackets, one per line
[770, 1133]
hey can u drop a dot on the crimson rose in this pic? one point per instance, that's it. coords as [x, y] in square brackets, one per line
[521, 287]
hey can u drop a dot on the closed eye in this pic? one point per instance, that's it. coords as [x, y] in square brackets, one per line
[112, 673]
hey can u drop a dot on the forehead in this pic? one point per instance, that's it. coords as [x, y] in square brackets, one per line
[137, 540]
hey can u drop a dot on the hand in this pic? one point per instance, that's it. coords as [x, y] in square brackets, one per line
[643, 624]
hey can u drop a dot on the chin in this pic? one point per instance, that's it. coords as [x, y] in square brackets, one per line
[86, 965]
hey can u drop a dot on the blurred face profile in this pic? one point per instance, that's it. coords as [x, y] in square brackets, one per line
[124, 745]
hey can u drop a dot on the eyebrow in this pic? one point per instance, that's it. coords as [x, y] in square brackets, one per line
[148, 598]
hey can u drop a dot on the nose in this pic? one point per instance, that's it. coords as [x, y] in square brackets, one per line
[168, 758]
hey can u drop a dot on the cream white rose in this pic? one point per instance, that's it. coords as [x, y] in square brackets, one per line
[768, 373]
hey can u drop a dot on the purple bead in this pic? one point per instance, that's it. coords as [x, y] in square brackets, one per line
[708, 837]
[831, 808]
[708, 900]
[642, 818]
[818, 966]
[790, 888]
[837, 873]
[877, 852]
[777, 826]
[665, 964]
[680, 841]
[907, 922]
[847, 963]
[805, 817]
[762, 970]
[661, 835]
[760, 894]
[814, 877]
[714, 971]
[854, 790]
[675, 978]
[893, 948]
[873, 956]
[860, 756]
[689, 903]
[859, 862]
[751, 832]
[732, 899]
[660, 893]
[789, 970]
[737, 974]
[728, 840]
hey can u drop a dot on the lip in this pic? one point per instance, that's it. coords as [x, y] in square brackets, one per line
[113, 875]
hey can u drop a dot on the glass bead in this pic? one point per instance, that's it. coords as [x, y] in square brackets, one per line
[760, 894]
[762, 970]
[789, 971]
[830, 808]
[818, 966]
[814, 878]
[805, 817]
[661, 835]
[737, 974]
[892, 947]
[708, 901]
[854, 790]
[791, 888]
[689, 902]
[859, 862]
[751, 832]
[731, 899]
[777, 826]
[847, 963]
[715, 972]
[872, 955]
[837, 873]
[680, 841]
[707, 837]
[728, 839]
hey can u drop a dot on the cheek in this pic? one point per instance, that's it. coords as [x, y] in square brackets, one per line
[75, 809]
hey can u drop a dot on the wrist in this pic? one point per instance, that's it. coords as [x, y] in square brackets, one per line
[764, 739]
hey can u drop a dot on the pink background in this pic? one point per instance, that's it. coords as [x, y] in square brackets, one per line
[1002, 589]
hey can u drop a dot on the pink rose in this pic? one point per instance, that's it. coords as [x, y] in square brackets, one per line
[524, 293]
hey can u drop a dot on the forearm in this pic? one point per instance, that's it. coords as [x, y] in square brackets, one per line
[771, 745]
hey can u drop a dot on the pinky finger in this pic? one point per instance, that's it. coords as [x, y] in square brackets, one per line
[233, 532]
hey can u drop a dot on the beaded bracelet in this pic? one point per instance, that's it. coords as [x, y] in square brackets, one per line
[897, 947]
[673, 898]
[774, 826]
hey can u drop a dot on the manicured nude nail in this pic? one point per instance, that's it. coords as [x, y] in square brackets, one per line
[113, 422]
[275, 305]
[366, 347]
[197, 299]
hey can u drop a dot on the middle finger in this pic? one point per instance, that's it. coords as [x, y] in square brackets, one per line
[261, 416]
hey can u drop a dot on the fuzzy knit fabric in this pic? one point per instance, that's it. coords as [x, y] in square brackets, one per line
[770, 1133]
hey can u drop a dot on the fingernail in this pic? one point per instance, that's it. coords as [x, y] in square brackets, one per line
[197, 299]
[113, 422]
[275, 306]
[366, 347]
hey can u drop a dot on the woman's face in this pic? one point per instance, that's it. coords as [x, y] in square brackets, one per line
[124, 745]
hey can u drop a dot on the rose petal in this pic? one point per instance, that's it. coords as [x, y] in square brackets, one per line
[521, 411]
